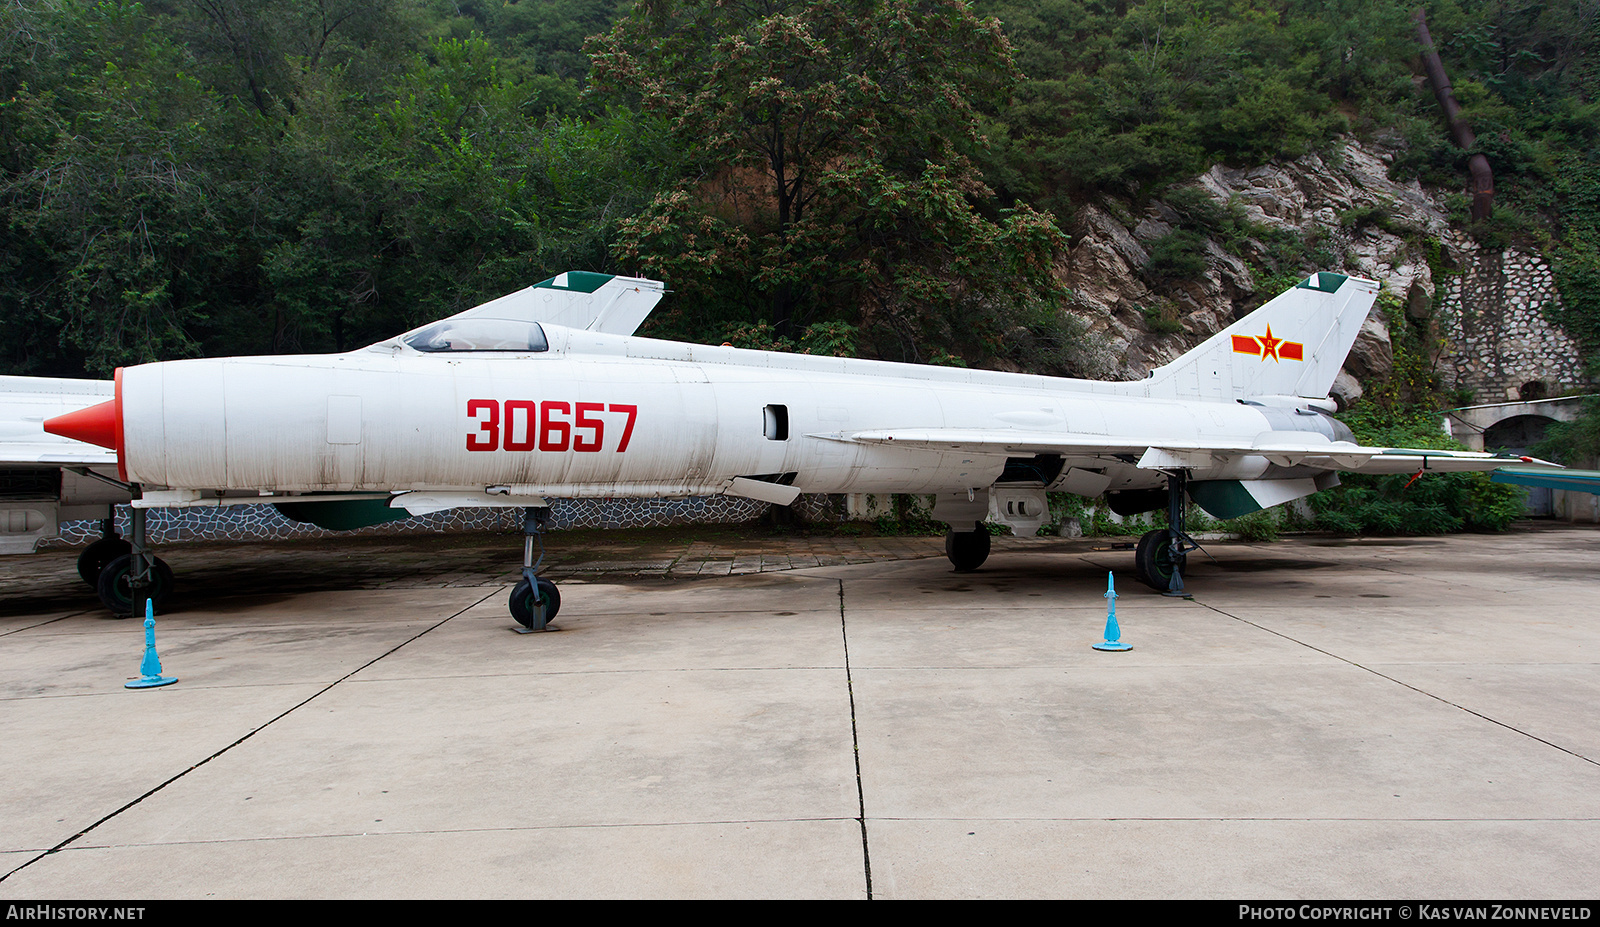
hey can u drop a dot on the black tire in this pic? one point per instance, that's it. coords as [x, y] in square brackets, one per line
[95, 557]
[115, 589]
[522, 602]
[1139, 558]
[1153, 562]
[966, 549]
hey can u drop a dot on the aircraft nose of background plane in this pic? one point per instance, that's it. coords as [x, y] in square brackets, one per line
[94, 425]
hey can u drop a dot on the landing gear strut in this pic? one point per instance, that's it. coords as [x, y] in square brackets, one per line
[1162, 554]
[131, 574]
[534, 601]
[123, 590]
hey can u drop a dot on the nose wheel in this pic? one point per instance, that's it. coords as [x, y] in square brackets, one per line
[534, 601]
[535, 612]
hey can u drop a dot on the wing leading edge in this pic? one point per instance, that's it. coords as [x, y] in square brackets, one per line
[1287, 449]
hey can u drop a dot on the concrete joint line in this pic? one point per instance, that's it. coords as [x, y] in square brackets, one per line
[43, 623]
[263, 726]
[1445, 701]
[855, 747]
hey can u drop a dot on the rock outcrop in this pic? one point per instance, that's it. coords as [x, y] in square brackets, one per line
[1484, 308]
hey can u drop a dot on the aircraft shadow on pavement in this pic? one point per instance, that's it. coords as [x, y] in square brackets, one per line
[249, 576]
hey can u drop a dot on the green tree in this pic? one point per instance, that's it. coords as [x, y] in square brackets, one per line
[828, 146]
[261, 51]
[114, 197]
[205, 177]
[445, 194]
[1130, 96]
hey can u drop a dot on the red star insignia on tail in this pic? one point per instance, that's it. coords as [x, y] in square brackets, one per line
[1265, 346]
[1269, 344]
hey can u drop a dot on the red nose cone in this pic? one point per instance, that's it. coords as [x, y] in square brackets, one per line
[94, 425]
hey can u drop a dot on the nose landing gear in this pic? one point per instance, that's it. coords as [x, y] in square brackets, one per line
[534, 601]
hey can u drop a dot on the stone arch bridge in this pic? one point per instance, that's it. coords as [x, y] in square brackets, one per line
[1516, 427]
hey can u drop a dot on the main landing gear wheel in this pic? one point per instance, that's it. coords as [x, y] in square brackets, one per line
[966, 549]
[1153, 561]
[95, 557]
[115, 585]
[522, 607]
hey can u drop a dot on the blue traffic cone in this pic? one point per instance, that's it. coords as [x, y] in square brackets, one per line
[1113, 639]
[151, 666]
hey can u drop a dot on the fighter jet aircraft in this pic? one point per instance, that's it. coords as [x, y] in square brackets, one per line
[546, 394]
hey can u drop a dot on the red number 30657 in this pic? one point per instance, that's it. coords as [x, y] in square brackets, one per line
[552, 425]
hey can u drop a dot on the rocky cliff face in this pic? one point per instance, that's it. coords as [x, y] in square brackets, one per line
[1484, 308]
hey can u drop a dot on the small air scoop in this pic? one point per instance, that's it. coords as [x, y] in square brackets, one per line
[94, 425]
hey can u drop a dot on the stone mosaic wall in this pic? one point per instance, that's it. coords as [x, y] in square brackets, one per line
[263, 522]
[1497, 335]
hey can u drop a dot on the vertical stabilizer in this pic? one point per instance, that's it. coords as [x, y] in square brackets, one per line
[580, 300]
[1292, 346]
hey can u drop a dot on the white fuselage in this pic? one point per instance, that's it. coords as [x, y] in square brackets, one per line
[606, 415]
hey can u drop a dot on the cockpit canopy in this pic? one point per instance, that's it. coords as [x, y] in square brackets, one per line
[479, 334]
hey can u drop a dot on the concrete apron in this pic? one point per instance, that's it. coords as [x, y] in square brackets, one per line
[1326, 718]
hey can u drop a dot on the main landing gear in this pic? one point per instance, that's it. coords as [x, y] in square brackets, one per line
[130, 579]
[534, 601]
[1162, 554]
[1159, 559]
[125, 574]
[966, 549]
[95, 557]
